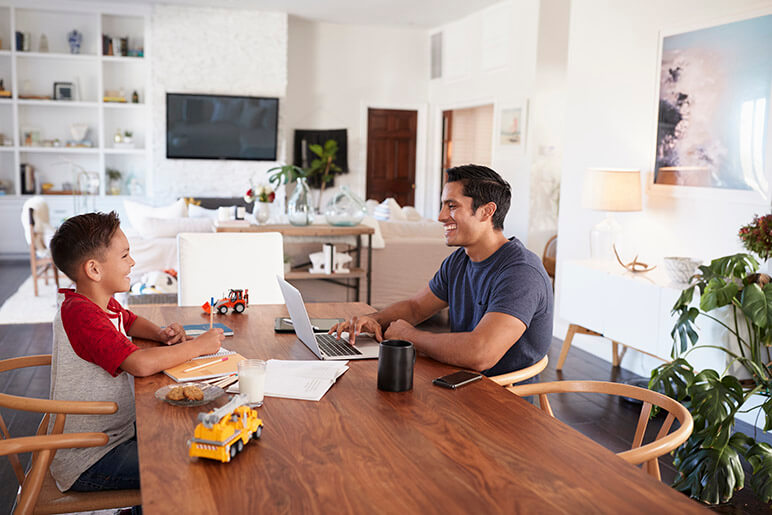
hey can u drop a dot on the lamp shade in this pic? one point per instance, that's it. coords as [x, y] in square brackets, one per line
[607, 189]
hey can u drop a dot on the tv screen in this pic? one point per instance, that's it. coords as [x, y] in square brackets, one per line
[221, 127]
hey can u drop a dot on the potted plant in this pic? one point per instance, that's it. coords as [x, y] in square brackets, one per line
[710, 462]
[114, 181]
[285, 174]
[323, 168]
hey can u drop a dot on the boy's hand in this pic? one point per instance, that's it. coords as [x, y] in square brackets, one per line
[172, 333]
[210, 341]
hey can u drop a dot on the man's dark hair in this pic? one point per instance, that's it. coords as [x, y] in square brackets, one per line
[82, 237]
[484, 185]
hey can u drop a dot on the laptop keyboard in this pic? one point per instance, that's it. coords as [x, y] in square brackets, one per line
[334, 347]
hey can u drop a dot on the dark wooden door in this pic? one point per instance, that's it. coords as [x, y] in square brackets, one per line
[391, 142]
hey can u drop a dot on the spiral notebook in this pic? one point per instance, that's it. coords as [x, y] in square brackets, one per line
[199, 329]
[221, 365]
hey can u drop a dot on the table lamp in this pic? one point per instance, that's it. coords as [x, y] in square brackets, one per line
[610, 190]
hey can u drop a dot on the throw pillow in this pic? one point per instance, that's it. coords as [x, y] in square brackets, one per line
[411, 214]
[137, 212]
[389, 210]
[170, 227]
[201, 212]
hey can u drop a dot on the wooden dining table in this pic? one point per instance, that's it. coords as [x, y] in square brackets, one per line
[476, 449]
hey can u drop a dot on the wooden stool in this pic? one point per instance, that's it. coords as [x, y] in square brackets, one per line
[574, 329]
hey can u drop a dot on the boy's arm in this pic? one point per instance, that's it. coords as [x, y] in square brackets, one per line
[149, 361]
[147, 330]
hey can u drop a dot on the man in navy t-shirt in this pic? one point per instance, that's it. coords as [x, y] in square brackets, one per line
[498, 293]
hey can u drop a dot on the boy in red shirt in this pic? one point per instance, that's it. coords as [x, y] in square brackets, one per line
[93, 358]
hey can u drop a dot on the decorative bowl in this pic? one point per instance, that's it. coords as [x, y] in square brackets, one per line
[681, 269]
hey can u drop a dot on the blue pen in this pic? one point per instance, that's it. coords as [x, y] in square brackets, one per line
[211, 312]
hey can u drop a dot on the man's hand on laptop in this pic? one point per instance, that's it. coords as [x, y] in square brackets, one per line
[355, 326]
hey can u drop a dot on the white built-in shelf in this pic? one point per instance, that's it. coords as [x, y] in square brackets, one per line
[6, 101]
[3, 148]
[126, 151]
[59, 150]
[123, 105]
[121, 58]
[56, 103]
[57, 56]
[5, 52]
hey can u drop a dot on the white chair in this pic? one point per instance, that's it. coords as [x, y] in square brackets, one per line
[210, 264]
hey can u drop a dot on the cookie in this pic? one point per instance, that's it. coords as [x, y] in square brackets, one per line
[175, 394]
[193, 393]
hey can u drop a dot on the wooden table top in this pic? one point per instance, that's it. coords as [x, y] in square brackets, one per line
[360, 450]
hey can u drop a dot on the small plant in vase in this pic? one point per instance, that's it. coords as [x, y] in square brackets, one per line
[263, 195]
[114, 181]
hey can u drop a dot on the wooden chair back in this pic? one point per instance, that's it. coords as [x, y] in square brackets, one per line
[512, 378]
[40, 266]
[38, 492]
[549, 257]
[638, 454]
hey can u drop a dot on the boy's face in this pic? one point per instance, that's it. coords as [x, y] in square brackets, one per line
[116, 264]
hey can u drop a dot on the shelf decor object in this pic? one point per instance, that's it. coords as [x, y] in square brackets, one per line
[300, 210]
[345, 209]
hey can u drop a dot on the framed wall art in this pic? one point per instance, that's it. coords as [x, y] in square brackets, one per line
[511, 125]
[714, 104]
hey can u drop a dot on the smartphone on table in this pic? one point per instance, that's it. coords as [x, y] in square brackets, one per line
[457, 379]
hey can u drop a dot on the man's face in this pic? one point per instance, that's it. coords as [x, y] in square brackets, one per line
[462, 225]
[117, 263]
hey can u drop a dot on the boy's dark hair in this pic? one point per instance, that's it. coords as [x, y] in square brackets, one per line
[82, 237]
[484, 185]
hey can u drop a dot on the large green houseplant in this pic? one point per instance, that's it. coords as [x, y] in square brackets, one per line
[710, 463]
[323, 167]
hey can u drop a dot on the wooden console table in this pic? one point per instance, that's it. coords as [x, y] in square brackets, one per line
[319, 233]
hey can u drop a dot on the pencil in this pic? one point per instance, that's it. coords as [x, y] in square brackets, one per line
[204, 365]
[211, 313]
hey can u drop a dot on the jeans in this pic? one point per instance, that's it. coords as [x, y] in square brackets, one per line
[117, 470]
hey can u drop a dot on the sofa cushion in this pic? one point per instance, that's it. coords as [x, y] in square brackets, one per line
[170, 227]
[195, 211]
[138, 213]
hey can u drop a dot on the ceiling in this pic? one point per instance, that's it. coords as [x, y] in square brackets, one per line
[412, 13]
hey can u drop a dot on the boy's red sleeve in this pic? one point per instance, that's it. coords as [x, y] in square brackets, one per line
[127, 316]
[93, 336]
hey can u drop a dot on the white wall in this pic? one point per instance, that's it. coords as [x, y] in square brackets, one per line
[219, 51]
[611, 121]
[488, 57]
[337, 71]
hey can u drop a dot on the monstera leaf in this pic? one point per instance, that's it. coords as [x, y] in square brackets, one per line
[737, 265]
[757, 304]
[718, 293]
[672, 379]
[760, 458]
[707, 474]
[684, 332]
[714, 402]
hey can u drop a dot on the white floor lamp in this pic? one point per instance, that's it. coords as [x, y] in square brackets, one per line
[611, 190]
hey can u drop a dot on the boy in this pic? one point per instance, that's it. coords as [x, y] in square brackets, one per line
[93, 359]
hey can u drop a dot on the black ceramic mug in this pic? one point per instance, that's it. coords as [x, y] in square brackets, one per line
[395, 365]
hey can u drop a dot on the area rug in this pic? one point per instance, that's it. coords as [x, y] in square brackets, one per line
[23, 307]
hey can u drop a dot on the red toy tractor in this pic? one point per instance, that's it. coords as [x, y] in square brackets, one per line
[237, 300]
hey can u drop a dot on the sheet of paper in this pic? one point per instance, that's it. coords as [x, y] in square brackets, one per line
[306, 380]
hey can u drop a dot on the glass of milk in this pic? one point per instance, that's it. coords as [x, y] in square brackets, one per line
[252, 380]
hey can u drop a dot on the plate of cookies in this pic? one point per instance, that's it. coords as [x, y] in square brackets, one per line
[188, 394]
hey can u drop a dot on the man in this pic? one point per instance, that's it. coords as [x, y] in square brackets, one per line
[499, 295]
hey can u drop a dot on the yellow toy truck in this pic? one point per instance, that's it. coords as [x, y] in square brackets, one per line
[223, 432]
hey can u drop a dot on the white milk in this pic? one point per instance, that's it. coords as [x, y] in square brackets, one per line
[252, 380]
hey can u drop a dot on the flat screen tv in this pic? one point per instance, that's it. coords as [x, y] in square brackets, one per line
[221, 127]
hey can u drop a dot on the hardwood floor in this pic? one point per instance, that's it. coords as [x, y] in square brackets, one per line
[607, 420]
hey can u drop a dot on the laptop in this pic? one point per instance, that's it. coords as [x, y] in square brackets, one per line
[325, 346]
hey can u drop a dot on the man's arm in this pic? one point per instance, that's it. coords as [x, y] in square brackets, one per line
[415, 310]
[479, 349]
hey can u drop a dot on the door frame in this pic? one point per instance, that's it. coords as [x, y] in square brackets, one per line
[435, 145]
[421, 191]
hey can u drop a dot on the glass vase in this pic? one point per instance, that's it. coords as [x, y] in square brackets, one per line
[300, 209]
[262, 212]
[345, 209]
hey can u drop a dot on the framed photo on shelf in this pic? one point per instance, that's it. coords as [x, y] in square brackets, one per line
[64, 91]
[30, 137]
[511, 121]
